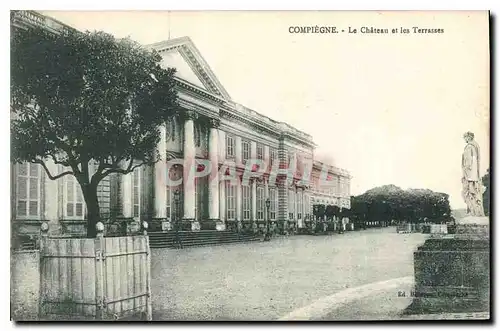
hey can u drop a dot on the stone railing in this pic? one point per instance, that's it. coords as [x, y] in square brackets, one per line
[30, 17]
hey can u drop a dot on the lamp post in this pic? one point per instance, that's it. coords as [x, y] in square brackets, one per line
[268, 204]
[177, 200]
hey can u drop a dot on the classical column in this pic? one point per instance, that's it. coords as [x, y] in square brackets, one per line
[254, 199]
[160, 179]
[238, 159]
[213, 184]
[51, 194]
[126, 194]
[189, 169]
[253, 150]
[222, 204]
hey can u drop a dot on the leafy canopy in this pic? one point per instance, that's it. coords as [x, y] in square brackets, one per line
[77, 97]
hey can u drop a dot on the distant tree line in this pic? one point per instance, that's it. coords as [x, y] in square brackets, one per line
[388, 203]
[328, 212]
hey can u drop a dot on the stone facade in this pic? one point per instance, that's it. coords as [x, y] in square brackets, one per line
[211, 127]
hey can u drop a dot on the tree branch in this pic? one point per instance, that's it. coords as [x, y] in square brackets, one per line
[38, 161]
[128, 170]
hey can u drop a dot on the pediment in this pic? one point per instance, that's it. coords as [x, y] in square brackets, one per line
[182, 54]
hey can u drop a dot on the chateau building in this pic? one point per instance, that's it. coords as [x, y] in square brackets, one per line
[209, 127]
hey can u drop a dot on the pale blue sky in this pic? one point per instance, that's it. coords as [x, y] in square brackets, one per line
[389, 108]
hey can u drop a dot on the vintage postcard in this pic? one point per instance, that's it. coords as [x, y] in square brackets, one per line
[250, 166]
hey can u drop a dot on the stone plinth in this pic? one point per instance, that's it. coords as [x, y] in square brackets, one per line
[452, 272]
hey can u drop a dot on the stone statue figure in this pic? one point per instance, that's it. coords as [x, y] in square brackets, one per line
[472, 188]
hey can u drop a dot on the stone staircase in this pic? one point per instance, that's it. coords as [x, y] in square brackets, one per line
[198, 238]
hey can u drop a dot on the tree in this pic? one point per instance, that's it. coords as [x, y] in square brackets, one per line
[390, 202]
[88, 102]
[486, 193]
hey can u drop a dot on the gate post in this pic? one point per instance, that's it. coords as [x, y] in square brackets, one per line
[44, 234]
[149, 308]
[99, 270]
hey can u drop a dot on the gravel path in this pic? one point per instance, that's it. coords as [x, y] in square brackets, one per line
[267, 280]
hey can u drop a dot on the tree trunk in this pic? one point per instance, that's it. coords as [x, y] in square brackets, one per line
[90, 195]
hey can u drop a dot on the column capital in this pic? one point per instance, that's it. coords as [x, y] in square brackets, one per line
[190, 114]
[214, 123]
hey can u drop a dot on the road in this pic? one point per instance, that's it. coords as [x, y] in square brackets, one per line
[268, 280]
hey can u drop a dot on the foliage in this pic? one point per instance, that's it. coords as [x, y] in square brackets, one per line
[88, 102]
[486, 193]
[389, 202]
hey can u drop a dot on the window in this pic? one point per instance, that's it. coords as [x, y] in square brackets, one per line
[247, 202]
[291, 204]
[136, 192]
[245, 150]
[260, 203]
[28, 190]
[74, 198]
[299, 204]
[230, 201]
[230, 142]
[274, 154]
[198, 135]
[260, 152]
[273, 197]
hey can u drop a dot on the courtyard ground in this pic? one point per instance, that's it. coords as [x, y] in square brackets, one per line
[271, 280]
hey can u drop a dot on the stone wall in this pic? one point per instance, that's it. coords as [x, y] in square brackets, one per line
[24, 285]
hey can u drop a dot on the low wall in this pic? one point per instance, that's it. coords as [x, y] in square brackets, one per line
[24, 285]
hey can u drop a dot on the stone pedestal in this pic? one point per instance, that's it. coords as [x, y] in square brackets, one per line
[452, 271]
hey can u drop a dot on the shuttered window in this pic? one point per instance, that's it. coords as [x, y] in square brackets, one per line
[273, 207]
[247, 202]
[260, 203]
[73, 198]
[230, 201]
[28, 190]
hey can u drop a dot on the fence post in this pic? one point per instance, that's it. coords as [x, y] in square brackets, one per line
[99, 270]
[44, 234]
[149, 307]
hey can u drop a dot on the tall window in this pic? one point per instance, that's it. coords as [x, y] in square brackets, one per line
[230, 201]
[230, 142]
[260, 203]
[74, 198]
[273, 154]
[247, 202]
[299, 204]
[245, 148]
[273, 197]
[28, 190]
[197, 135]
[260, 151]
[291, 204]
[136, 192]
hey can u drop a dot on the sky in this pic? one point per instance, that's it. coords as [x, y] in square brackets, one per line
[389, 108]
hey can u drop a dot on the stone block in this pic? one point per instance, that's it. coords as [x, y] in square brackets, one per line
[452, 273]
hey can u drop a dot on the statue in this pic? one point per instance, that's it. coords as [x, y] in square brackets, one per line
[472, 188]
